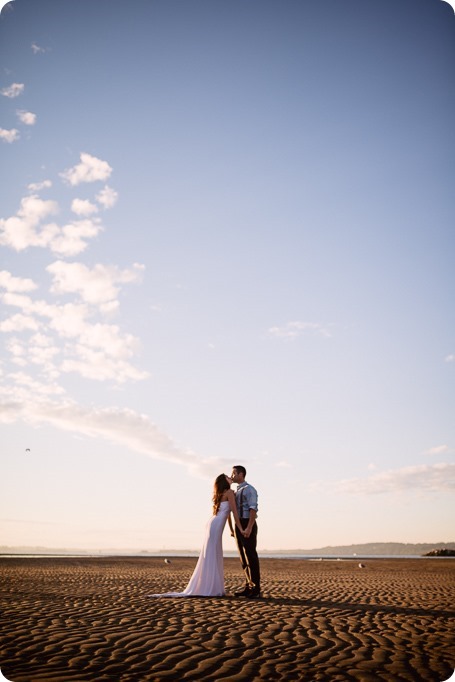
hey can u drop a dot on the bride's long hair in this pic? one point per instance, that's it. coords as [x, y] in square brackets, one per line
[219, 488]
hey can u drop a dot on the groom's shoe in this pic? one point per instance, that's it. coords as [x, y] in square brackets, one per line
[254, 594]
[243, 593]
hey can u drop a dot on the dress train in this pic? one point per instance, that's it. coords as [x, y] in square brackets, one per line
[208, 576]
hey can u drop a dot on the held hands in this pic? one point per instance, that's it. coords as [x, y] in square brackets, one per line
[245, 532]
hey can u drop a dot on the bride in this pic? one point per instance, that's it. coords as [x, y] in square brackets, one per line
[208, 576]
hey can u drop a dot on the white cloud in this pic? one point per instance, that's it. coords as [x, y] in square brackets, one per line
[96, 286]
[9, 135]
[90, 169]
[18, 323]
[439, 450]
[120, 426]
[95, 351]
[35, 209]
[293, 330]
[38, 186]
[42, 351]
[66, 337]
[27, 305]
[21, 231]
[101, 353]
[36, 49]
[69, 320]
[26, 117]
[13, 90]
[11, 283]
[108, 338]
[107, 197]
[29, 227]
[42, 340]
[98, 366]
[450, 358]
[18, 350]
[424, 478]
[25, 386]
[72, 238]
[83, 207]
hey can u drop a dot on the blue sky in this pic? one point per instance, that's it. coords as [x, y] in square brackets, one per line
[227, 236]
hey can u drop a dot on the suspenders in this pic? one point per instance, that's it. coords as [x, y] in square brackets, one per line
[241, 502]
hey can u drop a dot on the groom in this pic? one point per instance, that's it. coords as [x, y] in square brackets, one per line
[246, 498]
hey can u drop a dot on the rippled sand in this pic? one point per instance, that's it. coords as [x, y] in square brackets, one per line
[91, 619]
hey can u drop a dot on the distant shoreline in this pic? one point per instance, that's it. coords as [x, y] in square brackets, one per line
[366, 550]
[227, 555]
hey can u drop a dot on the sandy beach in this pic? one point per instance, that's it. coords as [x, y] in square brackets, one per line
[76, 619]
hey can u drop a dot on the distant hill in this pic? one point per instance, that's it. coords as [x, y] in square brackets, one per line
[46, 550]
[374, 548]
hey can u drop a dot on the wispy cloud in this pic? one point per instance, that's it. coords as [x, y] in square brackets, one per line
[32, 522]
[40, 350]
[24, 387]
[26, 117]
[450, 358]
[425, 478]
[37, 49]
[90, 169]
[38, 186]
[282, 465]
[104, 363]
[13, 90]
[9, 136]
[292, 330]
[120, 426]
[439, 450]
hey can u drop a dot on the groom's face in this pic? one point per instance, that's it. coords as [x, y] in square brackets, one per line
[234, 475]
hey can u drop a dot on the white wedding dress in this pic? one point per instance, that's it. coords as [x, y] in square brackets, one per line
[208, 576]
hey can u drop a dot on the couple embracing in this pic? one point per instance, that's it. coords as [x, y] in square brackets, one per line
[241, 507]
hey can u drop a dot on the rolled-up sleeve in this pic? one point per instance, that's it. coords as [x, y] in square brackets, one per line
[251, 498]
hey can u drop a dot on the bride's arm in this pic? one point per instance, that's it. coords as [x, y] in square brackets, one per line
[233, 506]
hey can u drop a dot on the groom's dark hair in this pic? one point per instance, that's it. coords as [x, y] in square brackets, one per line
[240, 469]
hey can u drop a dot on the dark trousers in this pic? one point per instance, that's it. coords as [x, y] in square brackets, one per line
[248, 554]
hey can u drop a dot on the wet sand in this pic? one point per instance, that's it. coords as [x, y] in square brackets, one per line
[83, 619]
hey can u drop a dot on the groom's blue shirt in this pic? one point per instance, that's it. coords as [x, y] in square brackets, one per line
[246, 498]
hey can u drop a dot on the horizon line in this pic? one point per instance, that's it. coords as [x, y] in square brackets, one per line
[27, 549]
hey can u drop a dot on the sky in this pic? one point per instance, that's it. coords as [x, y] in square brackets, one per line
[227, 237]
